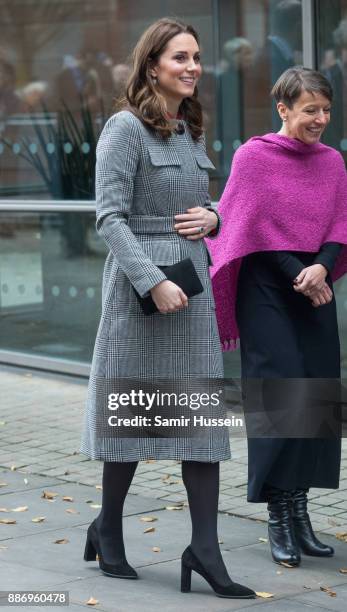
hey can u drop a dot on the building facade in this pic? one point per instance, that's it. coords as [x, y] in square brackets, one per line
[63, 64]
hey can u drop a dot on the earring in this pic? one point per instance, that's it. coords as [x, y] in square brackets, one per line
[155, 80]
[284, 118]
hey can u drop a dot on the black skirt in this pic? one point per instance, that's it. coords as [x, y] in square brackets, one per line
[282, 336]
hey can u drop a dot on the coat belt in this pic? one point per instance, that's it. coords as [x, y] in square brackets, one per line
[142, 224]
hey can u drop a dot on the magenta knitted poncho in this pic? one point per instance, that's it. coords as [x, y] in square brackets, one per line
[281, 195]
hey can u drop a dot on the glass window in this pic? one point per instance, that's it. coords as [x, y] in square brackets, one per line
[332, 61]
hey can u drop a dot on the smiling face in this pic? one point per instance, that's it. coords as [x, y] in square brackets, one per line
[308, 118]
[178, 70]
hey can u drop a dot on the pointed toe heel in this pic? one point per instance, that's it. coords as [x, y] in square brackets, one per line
[92, 550]
[231, 591]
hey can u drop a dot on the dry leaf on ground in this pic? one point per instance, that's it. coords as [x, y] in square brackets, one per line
[264, 595]
[92, 602]
[49, 495]
[148, 519]
[156, 549]
[4, 510]
[7, 521]
[263, 539]
[287, 565]
[13, 468]
[3, 484]
[3, 547]
[38, 519]
[98, 487]
[220, 541]
[149, 530]
[166, 477]
[96, 506]
[71, 511]
[341, 536]
[343, 570]
[68, 498]
[61, 541]
[20, 509]
[174, 508]
[328, 591]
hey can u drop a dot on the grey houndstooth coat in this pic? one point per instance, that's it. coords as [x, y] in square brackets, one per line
[142, 181]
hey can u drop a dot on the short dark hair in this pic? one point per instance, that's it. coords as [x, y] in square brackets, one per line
[294, 81]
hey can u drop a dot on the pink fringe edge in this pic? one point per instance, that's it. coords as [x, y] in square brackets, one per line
[229, 345]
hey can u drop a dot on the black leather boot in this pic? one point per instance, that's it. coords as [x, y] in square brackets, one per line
[284, 547]
[304, 533]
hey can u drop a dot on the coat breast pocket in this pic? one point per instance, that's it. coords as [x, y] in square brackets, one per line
[165, 171]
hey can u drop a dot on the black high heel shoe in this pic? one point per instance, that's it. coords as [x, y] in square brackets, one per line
[306, 538]
[119, 570]
[191, 562]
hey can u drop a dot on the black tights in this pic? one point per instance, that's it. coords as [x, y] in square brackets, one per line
[202, 483]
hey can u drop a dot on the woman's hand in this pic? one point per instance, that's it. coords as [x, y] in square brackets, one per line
[168, 297]
[196, 223]
[322, 297]
[310, 280]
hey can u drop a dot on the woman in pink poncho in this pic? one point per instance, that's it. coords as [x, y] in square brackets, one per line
[283, 241]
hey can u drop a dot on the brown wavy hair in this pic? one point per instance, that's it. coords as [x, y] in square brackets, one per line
[141, 94]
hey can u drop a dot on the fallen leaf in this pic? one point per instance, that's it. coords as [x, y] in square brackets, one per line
[287, 565]
[263, 539]
[306, 587]
[148, 519]
[166, 477]
[156, 549]
[3, 484]
[3, 547]
[343, 570]
[68, 498]
[264, 595]
[341, 536]
[328, 591]
[98, 487]
[92, 602]
[4, 510]
[7, 521]
[49, 495]
[220, 542]
[20, 509]
[72, 511]
[149, 530]
[96, 506]
[174, 508]
[173, 482]
[61, 541]
[13, 468]
[38, 519]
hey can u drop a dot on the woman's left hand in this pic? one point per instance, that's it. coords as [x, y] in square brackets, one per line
[196, 223]
[311, 279]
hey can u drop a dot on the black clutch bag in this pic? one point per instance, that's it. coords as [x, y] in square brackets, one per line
[182, 274]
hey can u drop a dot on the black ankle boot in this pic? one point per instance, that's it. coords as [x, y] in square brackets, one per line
[284, 547]
[304, 533]
[93, 548]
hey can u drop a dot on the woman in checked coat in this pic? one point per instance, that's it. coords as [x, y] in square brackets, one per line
[153, 210]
